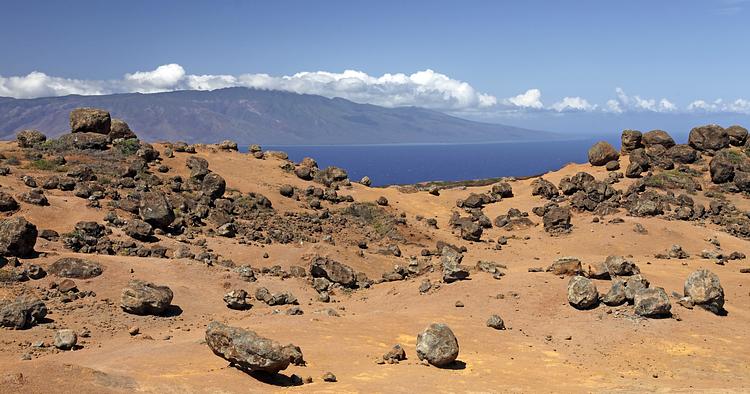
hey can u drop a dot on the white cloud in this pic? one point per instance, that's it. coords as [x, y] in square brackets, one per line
[573, 104]
[530, 99]
[427, 88]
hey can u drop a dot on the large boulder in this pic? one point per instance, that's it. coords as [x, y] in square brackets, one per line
[30, 138]
[138, 229]
[620, 266]
[704, 289]
[249, 351]
[85, 141]
[652, 302]
[710, 137]
[145, 298]
[658, 137]
[90, 120]
[582, 293]
[451, 259]
[557, 220]
[23, 312]
[65, 339]
[198, 167]
[334, 271]
[631, 140]
[17, 237]
[332, 176]
[602, 153]
[74, 267]
[722, 167]
[437, 344]
[213, 185]
[737, 135]
[156, 210]
[120, 129]
[616, 294]
[683, 154]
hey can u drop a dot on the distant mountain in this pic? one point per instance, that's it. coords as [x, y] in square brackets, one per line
[258, 116]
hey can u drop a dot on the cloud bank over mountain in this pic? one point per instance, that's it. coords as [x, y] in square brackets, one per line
[427, 88]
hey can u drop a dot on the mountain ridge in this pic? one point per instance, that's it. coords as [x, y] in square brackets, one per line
[258, 116]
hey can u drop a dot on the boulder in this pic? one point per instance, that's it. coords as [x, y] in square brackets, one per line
[120, 129]
[85, 141]
[156, 210]
[65, 339]
[17, 237]
[30, 138]
[334, 271]
[438, 345]
[633, 285]
[396, 354]
[602, 153]
[502, 189]
[23, 312]
[496, 322]
[228, 145]
[74, 267]
[631, 140]
[722, 167]
[90, 120]
[710, 137]
[249, 351]
[140, 230]
[471, 231]
[145, 298]
[34, 197]
[658, 137]
[566, 266]
[737, 135]
[286, 190]
[616, 294]
[7, 202]
[704, 289]
[237, 299]
[198, 167]
[544, 188]
[742, 180]
[652, 302]
[582, 293]
[331, 176]
[620, 266]
[683, 154]
[450, 259]
[213, 185]
[557, 220]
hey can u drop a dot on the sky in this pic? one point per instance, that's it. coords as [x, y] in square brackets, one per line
[527, 61]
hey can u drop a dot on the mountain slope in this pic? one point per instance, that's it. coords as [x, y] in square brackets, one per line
[262, 116]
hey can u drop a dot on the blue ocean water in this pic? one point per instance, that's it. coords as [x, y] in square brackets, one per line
[406, 164]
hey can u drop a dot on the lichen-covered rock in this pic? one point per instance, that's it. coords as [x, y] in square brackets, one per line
[616, 294]
[120, 129]
[602, 153]
[438, 345]
[138, 229]
[582, 293]
[65, 339]
[30, 138]
[652, 302]
[705, 290]
[17, 237]
[249, 351]
[145, 298]
[710, 137]
[737, 135]
[90, 120]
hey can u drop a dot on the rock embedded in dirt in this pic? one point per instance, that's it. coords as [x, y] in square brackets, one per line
[471, 231]
[602, 153]
[566, 266]
[23, 312]
[90, 120]
[7, 202]
[620, 266]
[334, 271]
[616, 294]
[450, 260]
[286, 190]
[557, 220]
[145, 298]
[633, 285]
[17, 237]
[438, 345]
[705, 290]
[65, 339]
[273, 299]
[496, 322]
[652, 302]
[74, 267]
[708, 138]
[247, 350]
[329, 377]
[582, 293]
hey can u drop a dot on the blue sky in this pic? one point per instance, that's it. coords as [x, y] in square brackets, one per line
[479, 59]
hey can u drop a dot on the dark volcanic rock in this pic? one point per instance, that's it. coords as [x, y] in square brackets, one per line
[139, 230]
[582, 293]
[438, 345]
[213, 185]
[34, 197]
[544, 188]
[450, 259]
[24, 312]
[557, 220]
[704, 289]
[120, 129]
[90, 120]
[602, 153]
[683, 154]
[737, 135]
[249, 351]
[17, 237]
[85, 141]
[73, 267]
[7, 202]
[658, 137]
[145, 298]
[334, 271]
[652, 302]
[722, 167]
[156, 210]
[710, 137]
[631, 140]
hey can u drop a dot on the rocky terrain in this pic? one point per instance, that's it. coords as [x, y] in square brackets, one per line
[171, 267]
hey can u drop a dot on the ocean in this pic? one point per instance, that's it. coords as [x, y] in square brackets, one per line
[412, 163]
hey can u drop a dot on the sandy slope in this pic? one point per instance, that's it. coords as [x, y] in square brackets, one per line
[551, 347]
